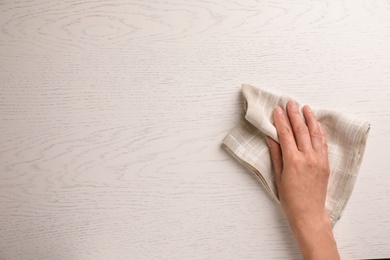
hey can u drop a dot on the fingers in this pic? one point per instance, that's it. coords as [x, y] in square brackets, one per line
[276, 156]
[314, 129]
[301, 131]
[286, 137]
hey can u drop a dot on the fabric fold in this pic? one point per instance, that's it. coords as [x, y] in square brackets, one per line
[346, 137]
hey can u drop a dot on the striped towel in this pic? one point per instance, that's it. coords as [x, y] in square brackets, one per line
[346, 137]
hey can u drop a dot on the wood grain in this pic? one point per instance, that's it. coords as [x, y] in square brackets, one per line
[112, 115]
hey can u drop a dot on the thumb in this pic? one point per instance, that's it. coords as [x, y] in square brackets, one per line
[277, 159]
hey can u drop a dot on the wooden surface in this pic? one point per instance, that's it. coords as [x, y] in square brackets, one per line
[112, 115]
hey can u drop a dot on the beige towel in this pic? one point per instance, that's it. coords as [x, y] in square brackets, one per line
[346, 140]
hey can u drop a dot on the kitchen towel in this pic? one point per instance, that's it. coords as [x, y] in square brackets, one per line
[346, 137]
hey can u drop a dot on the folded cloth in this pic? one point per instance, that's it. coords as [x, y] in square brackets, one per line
[346, 144]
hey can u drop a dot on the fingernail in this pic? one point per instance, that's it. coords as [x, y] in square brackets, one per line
[308, 108]
[279, 110]
[292, 104]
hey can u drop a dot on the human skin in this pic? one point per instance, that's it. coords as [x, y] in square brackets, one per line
[302, 171]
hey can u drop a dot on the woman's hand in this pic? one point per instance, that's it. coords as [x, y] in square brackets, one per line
[302, 172]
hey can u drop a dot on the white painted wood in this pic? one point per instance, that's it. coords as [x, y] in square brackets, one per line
[112, 114]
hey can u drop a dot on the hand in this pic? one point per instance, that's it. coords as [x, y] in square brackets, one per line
[301, 164]
[302, 172]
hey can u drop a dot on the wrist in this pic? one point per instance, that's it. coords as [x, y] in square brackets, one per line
[310, 222]
[315, 236]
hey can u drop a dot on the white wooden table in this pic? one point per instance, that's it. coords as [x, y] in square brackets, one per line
[112, 115]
